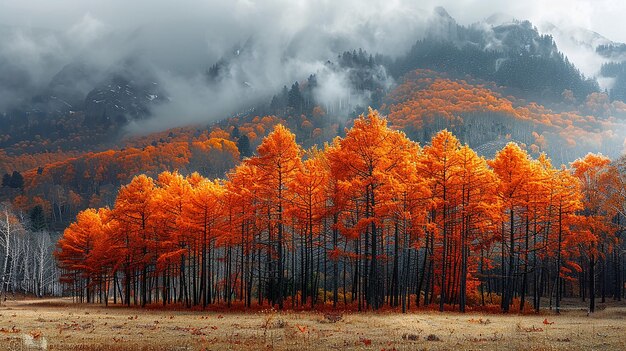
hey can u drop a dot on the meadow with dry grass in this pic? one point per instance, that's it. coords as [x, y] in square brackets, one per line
[59, 324]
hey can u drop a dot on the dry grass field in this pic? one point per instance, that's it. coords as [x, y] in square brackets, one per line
[59, 324]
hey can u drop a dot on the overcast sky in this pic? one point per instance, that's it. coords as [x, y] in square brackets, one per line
[603, 16]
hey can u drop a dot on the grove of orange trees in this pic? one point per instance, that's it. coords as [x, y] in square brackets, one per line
[370, 220]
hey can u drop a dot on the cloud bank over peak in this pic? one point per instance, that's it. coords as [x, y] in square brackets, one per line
[268, 43]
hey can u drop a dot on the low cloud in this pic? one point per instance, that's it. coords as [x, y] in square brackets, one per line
[267, 44]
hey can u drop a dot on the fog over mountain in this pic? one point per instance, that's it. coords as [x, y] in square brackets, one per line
[157, 54]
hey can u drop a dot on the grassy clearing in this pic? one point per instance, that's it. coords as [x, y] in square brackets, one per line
[61, 325]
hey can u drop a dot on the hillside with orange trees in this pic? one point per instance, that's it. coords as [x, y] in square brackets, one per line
[64, 187]
[426, 102]
[63, 183]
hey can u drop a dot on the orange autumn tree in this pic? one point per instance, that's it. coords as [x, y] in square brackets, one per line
[85, 251]
[462, 206]
[404, 207]
[595, 176]
[240, 197]
[440, 163]
[619, 186]
[134, 210]
[308, 209]
[278, 161]
[567, 202]
[202, 214]
[234, 238]
[533, 197]
[513, 167]
[367, 158]
[480, 213]
[338, 203]
[536, 244]
[174, 238]
[549, 227]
